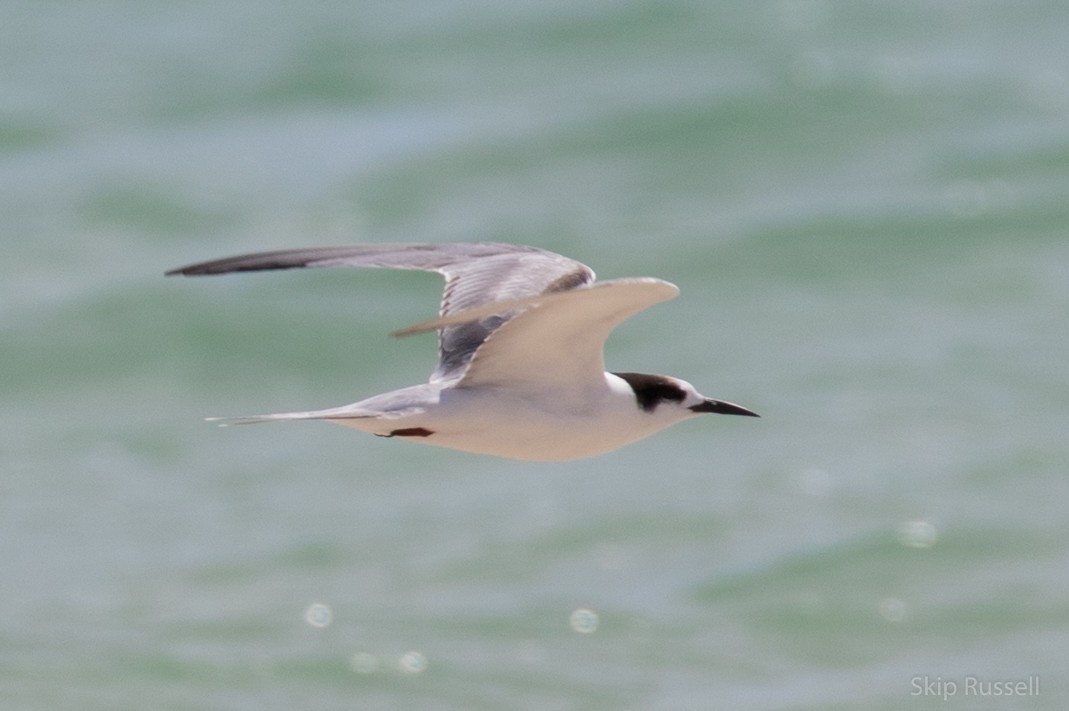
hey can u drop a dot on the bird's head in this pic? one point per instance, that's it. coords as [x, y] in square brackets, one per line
[662, 394]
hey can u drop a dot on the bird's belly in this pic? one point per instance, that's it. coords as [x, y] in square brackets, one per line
[532, 433]
[515, 425]
[532, 441]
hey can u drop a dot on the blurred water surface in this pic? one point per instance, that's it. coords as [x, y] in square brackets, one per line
[863, 203]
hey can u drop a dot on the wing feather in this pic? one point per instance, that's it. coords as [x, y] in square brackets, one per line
[559, 339]
[476, 274]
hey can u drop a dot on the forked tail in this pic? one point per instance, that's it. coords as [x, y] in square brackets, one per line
[336, 414]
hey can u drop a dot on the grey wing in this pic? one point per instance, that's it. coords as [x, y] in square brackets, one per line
[476, 273]
[558, 341]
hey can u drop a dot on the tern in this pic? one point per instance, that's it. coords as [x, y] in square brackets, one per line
[521, 371]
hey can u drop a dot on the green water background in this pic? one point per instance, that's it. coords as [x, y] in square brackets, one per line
[864, 204]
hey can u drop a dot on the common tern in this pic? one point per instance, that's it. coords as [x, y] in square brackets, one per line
[521, 372]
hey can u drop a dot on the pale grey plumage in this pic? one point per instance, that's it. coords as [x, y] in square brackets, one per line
[476, 274]
[521, 370]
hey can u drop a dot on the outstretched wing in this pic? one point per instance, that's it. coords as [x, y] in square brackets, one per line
[476, 274]
[557, 340]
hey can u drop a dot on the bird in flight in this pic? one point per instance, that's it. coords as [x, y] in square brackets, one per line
[521, 371]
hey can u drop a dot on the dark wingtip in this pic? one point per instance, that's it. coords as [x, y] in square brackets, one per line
[225, 266]
[192, 270]
[260, 261]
